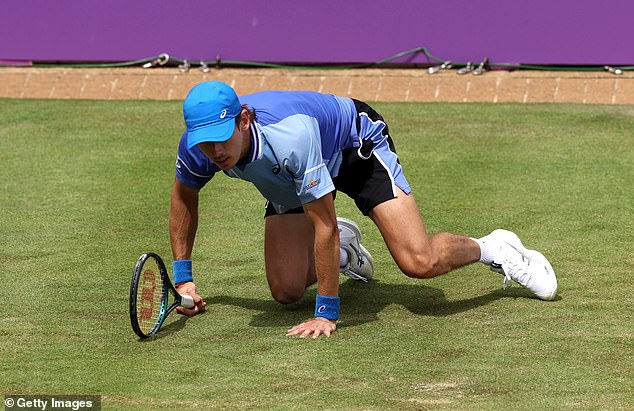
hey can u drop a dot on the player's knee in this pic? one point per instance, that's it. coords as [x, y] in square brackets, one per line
[286, 296]
[420, 266]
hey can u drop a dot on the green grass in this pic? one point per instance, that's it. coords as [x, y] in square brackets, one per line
[85, 190]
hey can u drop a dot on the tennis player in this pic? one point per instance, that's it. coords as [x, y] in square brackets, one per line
[299, 148]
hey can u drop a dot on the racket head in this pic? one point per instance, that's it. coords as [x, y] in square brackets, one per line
[149, 295]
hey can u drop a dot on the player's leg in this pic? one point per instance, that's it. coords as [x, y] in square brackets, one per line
[289, 256]
[419, 256]
[416, 254]
[373, 177]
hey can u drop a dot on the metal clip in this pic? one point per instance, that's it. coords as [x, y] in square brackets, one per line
[184, 68]
[444, 66]
[614, 70]
[161, 60]
[466, 69]
[484, 66]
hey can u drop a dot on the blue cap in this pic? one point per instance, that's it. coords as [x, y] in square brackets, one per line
[210, 110]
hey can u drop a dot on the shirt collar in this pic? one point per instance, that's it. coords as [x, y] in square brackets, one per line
[256, 145]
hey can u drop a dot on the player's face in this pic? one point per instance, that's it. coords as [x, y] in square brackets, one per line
[226, 154]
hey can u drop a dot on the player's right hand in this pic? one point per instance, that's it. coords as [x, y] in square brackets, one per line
[189, 288]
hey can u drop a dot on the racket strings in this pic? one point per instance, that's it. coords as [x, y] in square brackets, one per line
[149, 296]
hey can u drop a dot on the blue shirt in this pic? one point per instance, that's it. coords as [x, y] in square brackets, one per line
[296, 145]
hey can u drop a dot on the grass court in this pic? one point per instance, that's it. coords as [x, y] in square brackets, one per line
[85, 190]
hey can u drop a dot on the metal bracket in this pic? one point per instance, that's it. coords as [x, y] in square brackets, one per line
[614, 70]
[184, 68]
[161, 60]
[482, 68]
[204, 67]
[466, 69]
[444, 66]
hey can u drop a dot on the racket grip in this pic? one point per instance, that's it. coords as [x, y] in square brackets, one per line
[187, 301]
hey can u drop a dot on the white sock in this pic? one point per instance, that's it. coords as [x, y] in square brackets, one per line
[343, 258]
[488, 249]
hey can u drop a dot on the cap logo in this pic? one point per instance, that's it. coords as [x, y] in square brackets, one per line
[223, 113]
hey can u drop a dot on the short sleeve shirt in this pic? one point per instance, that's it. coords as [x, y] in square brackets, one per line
[296, 145]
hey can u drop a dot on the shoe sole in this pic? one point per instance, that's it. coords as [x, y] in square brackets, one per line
[369, 259]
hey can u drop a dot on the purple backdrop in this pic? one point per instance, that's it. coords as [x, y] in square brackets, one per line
[507, 31]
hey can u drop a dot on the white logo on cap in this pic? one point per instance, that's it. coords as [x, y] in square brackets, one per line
[223, 113]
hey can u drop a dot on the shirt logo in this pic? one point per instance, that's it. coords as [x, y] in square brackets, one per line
[312, 184]
[223, 113]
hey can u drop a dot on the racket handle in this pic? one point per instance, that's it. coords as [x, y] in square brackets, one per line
[187, 301]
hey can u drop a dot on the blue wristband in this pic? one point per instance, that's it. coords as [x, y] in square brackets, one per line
[182, 271]
[327, 307]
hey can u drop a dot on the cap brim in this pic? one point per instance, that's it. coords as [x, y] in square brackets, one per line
[213, 133]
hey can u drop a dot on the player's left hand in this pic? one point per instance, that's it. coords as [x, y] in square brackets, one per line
[315, 327]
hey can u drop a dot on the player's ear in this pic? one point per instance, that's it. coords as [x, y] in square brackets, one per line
[245, 122]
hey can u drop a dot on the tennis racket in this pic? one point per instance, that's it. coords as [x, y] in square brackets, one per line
[150, 293]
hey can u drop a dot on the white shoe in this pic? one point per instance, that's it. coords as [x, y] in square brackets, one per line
[529, 268]
[360, 264]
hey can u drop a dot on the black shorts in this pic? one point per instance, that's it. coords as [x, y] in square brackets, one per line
[362, 176]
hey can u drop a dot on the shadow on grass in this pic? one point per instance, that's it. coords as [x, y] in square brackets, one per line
[167, 329]
[363, 303]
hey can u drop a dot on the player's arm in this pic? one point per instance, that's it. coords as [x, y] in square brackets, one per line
[321, 213]
[183, 223]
